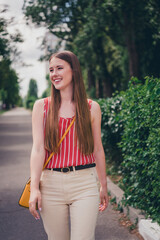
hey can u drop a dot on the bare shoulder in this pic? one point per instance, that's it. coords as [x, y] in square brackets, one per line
[95, 110]
[95, 107]
[38, 107]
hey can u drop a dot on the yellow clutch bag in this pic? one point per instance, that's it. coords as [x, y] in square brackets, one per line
[25, 196]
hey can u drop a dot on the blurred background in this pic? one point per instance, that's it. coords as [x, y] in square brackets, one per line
[113, 39]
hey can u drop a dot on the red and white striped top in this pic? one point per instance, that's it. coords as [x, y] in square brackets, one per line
[69, 154]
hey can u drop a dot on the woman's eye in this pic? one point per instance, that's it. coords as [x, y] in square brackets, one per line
[52, 70]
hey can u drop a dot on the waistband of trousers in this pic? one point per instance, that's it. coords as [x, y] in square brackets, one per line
[72, 168]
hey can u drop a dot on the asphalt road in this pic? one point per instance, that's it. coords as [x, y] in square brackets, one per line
[16, 223]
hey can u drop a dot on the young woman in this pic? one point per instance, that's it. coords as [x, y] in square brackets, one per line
[67, 190]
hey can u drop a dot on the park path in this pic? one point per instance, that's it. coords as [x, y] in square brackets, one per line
[16, 223]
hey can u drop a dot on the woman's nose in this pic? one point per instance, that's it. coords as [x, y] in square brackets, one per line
[54, 73]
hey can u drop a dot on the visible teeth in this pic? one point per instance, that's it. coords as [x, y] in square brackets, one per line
[57, 80]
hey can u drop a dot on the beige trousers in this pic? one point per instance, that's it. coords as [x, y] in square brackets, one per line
[70, 203]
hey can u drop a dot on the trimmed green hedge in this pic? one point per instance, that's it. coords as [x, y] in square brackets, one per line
[139, 132]
[111, 128]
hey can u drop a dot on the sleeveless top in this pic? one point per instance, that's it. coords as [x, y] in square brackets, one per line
[69, 153]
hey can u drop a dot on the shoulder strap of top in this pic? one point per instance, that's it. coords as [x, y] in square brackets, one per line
[46, 108]
[90, 103]
[46, 103]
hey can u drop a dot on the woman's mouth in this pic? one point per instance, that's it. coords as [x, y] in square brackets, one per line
[57, 80]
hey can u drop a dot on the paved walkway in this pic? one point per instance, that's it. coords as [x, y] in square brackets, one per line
[16, 223]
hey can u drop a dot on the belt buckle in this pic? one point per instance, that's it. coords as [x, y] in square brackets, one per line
[67, 168]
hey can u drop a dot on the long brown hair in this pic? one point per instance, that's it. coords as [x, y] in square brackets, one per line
[83, 116]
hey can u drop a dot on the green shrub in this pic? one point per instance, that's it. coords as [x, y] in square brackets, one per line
[140, 145]
[131, 140]
[30, 102]
[111, 128]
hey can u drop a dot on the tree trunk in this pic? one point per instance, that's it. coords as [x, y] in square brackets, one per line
[100, 88]
[91, 82]
[130, 37]
[105, 80]
[91, 79]
[133, 58]
[107, 89]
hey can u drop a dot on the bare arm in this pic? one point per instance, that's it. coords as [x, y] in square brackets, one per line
[99, 153]
[37, 156]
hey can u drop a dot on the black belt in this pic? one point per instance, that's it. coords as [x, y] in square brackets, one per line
[71, 168]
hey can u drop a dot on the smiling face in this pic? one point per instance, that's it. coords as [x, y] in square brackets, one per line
[60, 73]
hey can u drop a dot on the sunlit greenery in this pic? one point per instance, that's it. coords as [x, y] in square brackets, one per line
[32, 94]
[9, 82]
[131, 139]
[113, 39]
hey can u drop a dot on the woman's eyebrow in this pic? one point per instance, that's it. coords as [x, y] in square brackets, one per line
[56, 66]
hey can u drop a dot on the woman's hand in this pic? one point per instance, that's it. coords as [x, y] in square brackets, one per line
[35, 200]
[104, 200]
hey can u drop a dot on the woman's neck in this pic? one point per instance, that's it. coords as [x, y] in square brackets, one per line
[66, 95]
[67, 108]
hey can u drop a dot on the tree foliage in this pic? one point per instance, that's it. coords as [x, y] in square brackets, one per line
[32, 94]
[114, 39]
[9, 85]
[134, 24]
[33, 88]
